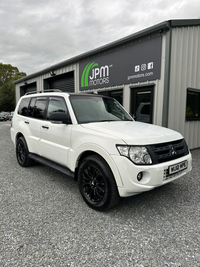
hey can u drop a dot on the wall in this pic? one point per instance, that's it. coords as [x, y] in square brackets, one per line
[185, 72]
[40, 79]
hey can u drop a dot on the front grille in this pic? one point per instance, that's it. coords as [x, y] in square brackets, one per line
[168, 151]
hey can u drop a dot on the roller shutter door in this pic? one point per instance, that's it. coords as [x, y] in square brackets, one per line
[28, 88]
[64, 82]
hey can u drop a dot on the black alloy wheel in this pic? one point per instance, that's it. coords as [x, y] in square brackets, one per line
[22, 153]
[97, 184]
[94, 184]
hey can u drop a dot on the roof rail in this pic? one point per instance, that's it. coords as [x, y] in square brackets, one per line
[44, 91]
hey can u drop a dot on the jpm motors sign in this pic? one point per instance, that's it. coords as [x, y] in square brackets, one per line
[134, 63]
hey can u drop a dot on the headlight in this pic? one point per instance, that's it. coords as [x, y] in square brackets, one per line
[137, 154]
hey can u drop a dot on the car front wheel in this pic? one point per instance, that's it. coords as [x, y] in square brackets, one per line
[97, 184]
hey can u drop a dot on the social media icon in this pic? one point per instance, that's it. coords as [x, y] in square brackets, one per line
[137, 68]
[143, 67]
[150, 65]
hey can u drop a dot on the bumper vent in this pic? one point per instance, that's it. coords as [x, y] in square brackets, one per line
[168, 151]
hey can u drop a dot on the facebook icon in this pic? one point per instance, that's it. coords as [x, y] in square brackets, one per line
[150, 65]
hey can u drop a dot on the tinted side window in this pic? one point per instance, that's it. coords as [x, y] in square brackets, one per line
[39, 108]
[193, 104]
[56, 105]
[31, 107]
[23, 107]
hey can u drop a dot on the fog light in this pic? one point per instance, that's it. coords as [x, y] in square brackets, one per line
[139, 176]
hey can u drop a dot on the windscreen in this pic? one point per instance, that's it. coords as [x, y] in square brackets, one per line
[98, 109]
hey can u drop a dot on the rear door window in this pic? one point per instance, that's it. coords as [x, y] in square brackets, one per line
[40, 108]
[31, 107]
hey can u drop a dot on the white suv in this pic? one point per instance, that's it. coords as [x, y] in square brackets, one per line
[94, 140]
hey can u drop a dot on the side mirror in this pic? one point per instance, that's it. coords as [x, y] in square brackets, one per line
[60, 117]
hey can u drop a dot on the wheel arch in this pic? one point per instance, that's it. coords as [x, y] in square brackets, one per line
[21, 134]
[18, 135]
[105, 156]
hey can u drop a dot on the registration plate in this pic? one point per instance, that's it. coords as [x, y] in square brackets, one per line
[178, 167]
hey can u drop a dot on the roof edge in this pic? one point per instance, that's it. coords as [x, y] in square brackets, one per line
[184, 22]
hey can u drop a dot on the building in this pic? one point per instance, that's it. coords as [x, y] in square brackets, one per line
[154, 74]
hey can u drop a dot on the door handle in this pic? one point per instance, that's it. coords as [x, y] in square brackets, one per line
[27, 122]
[45, 127]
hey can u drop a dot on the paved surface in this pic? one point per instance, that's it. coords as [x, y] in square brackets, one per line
[44, 221]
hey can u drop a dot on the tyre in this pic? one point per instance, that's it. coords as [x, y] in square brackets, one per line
[22, 153]
[97, 184]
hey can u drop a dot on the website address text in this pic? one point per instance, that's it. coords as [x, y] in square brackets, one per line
[140, 75]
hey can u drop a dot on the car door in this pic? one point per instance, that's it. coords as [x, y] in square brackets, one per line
[34, 121]
[55, 137]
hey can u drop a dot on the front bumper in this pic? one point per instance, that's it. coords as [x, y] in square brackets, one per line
[153, 175]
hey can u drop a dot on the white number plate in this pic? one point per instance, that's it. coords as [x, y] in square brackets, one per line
[178, 167]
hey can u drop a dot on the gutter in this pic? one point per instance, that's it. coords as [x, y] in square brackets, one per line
[165, 111]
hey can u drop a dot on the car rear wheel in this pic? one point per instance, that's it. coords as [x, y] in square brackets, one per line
[22, 153]
[97, 184]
